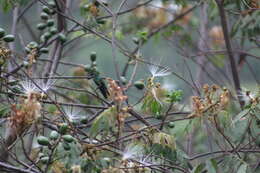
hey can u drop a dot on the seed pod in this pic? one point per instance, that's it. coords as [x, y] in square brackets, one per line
[44, 16]
[44, 50]
[62, 37]
[93, 56]
[26, 64]
[123, 79]
[41, 155]
[44, 159]
[68, 138]
[94, 63]
[41, 26]
[52, 12]
[101, 22]
[32, 45]
[66, 146]
[47, 35]
[50, 22]
[258, 122]
[86, 7]
[63, 128]
[74, 122]
[135, 40]
[27, 50]
[88, 68]
[158, 116]
[84, 120]
[2, 32]
[171, 125]
[8, 38]
[52, 4]
[139, 84]
[46, 9]
[53, 30]
[42, 140]
[42, 39]
[54, 135]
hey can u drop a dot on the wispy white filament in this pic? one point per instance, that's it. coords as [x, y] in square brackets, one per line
[72, 113]
[247, 95]
[36, 86]
[157, 71]
[45, 86]
[133, 152]
[28, 86]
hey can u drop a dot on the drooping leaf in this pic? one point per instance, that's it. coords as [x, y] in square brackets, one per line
[164, 140]
[240, 115]
[103, 122]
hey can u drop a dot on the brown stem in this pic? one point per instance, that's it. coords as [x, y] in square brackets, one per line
[233, 66]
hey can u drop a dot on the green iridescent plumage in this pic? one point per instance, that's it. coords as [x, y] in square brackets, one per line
[99, 81]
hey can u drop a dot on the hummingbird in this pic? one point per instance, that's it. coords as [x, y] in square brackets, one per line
[98, 80]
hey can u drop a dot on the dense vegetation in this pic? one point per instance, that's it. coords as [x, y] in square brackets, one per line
[128, 86]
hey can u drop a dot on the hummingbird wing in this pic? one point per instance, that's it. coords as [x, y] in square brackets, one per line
[102, 87]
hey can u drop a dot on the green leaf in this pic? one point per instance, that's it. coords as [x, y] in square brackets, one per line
[181, 2]
[6, 5]
[218, 60]
[150, 104]
[242, 168]
[24, 2]
[199, 168]
[103, 122]
[142, 35]
[175, 96]
[176, 28]
[240, 115]
[3, 111]
[77, 34]
[165, 152]
[211, 166]
[186, 39]
[119, 35]
[235, 28]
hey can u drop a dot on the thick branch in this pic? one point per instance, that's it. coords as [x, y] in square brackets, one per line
[233, 66]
